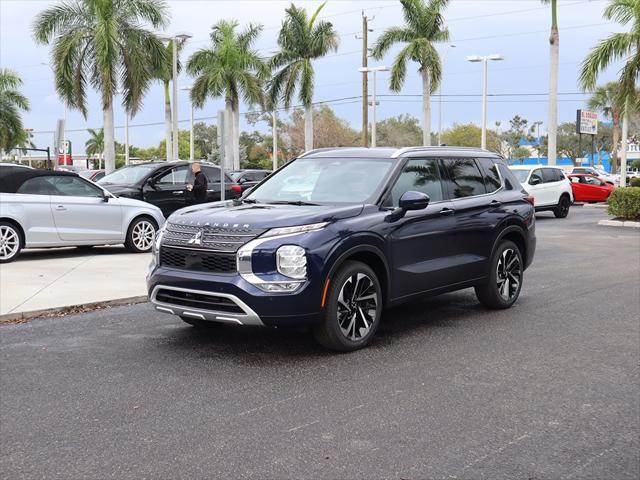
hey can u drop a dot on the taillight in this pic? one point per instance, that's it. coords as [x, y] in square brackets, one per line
[236, 189]
[531, 199]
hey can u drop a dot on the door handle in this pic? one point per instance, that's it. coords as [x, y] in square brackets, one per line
[495, 203]
[178, 192]
[61, 208]
[447, 211]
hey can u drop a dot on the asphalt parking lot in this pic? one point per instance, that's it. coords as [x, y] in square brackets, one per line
[547, 390]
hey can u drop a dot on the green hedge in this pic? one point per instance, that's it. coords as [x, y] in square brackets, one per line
[625, 203]
[634, 182]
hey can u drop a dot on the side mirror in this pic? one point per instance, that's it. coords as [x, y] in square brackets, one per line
[105, 197]
[242, 180]
[412, 200]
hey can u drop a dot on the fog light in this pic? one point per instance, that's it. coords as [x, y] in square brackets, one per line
[279, 287]
[291, 261]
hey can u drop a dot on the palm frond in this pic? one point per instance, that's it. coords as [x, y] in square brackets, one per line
[604, 53]
[390, 37]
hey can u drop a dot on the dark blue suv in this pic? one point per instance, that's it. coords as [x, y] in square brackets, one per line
[337, 235]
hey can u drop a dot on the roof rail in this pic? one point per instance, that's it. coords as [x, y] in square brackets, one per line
[316, 150]
[402, 151]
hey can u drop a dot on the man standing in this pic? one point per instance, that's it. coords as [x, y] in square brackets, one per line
[199, 188]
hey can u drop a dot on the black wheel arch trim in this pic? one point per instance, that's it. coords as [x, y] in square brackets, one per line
[520, 230]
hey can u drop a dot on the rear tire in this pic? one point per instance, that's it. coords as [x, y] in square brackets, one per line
[140, 235]
[562, 209]
[11, 242]
[505, 277]
[353, 309]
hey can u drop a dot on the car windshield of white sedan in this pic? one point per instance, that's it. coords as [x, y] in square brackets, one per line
[323, 180]
[126, 175]
[521, 175]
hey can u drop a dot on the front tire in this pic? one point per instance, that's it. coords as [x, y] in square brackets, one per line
[10, 242]
[562, 209]
[353, 309]
[140, 235]
[503, 286]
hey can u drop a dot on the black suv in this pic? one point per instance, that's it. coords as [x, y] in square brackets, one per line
[164, 184]
[336, 235]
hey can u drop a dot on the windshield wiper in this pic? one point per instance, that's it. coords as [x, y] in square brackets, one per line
[294, 202]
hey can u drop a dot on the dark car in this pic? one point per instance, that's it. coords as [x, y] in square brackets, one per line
[333, 247]
[93, 175]
[164, 184]
[249, 178]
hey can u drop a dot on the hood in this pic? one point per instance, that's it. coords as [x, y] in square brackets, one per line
[262, 215]
[132, 202]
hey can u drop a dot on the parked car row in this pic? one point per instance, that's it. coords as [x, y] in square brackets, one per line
[549, 187]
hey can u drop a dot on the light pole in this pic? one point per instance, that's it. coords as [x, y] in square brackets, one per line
[191, 144]
[64, 121]
[374, 70]
[126, 137]
[444, 58]
[178, 40]
[484, 60]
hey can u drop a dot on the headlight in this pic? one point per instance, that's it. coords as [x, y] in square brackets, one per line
[274, 232]
[156, 241]
[291, 261]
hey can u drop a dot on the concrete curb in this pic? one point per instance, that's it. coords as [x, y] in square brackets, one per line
[619, 223]
[595, 205]
[22, 317]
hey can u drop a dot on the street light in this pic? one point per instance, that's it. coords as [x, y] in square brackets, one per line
[484, 60]
[374, 70]
[444, 58]
[191, 145]
[181, 38]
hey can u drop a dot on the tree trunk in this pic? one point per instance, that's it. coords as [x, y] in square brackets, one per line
[236, 136]
[167, 121]
[552, 127]
[616, 139]
[426, 107]
[308, 127]
[228, 143]
[109, 139]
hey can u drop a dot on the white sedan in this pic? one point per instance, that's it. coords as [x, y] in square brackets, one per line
[43, 208]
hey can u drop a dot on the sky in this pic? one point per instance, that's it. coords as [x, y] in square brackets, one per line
[517, 29]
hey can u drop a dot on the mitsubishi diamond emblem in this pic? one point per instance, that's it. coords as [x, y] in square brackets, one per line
[196, 239]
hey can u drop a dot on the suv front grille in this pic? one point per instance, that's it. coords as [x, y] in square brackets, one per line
[199, 301]
[197, 260]
[207, 237]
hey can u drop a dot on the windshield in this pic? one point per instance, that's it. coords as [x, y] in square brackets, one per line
[127, 175]
[521, 175]
[323, 180]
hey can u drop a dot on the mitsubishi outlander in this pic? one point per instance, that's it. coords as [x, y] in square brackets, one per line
[337, 235]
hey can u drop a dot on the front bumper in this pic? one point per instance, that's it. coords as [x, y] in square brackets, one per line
[251, 306]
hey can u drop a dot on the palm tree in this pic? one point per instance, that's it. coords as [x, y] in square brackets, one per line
[165, 74]
[95, 144]
[618, 46]
[12, 103]
[424, 26]
[301, 40]
[604, 99]
[103, 43]
[554, 42]
[229, 68]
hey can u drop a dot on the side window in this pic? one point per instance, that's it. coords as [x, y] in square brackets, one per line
[549, 175]
[418, 175]
[510, 182]
[560, 175]
[37, 186]
[175, 176]
[490, 172]
[212, 174]
[464, 178]
[73, 187]
[575, 179]
[536, 177]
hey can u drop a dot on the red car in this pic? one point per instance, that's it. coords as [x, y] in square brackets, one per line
[587, 188]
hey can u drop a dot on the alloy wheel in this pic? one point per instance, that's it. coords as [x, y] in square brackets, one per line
[143, 234]
[508, 274]
[9, 242]
[357, 306]
[564, 207]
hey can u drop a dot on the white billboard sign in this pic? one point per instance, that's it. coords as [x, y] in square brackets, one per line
[587, 122]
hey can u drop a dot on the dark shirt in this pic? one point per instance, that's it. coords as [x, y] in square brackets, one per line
[199, 192]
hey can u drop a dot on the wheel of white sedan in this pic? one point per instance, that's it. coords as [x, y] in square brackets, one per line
[140, 236]
[10, 242]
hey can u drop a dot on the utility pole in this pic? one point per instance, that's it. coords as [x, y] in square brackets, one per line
[365, 81]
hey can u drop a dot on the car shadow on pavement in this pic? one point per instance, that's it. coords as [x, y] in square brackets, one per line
[68, 252]
[275, 346]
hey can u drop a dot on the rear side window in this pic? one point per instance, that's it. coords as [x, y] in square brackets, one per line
[37, 186]
[490, 171]
[418, 175]
[212, 174]
[510, 181]
[550, 175]
[463, 178]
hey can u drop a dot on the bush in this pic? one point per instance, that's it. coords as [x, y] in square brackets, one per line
[634, 182]
[625, 203]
